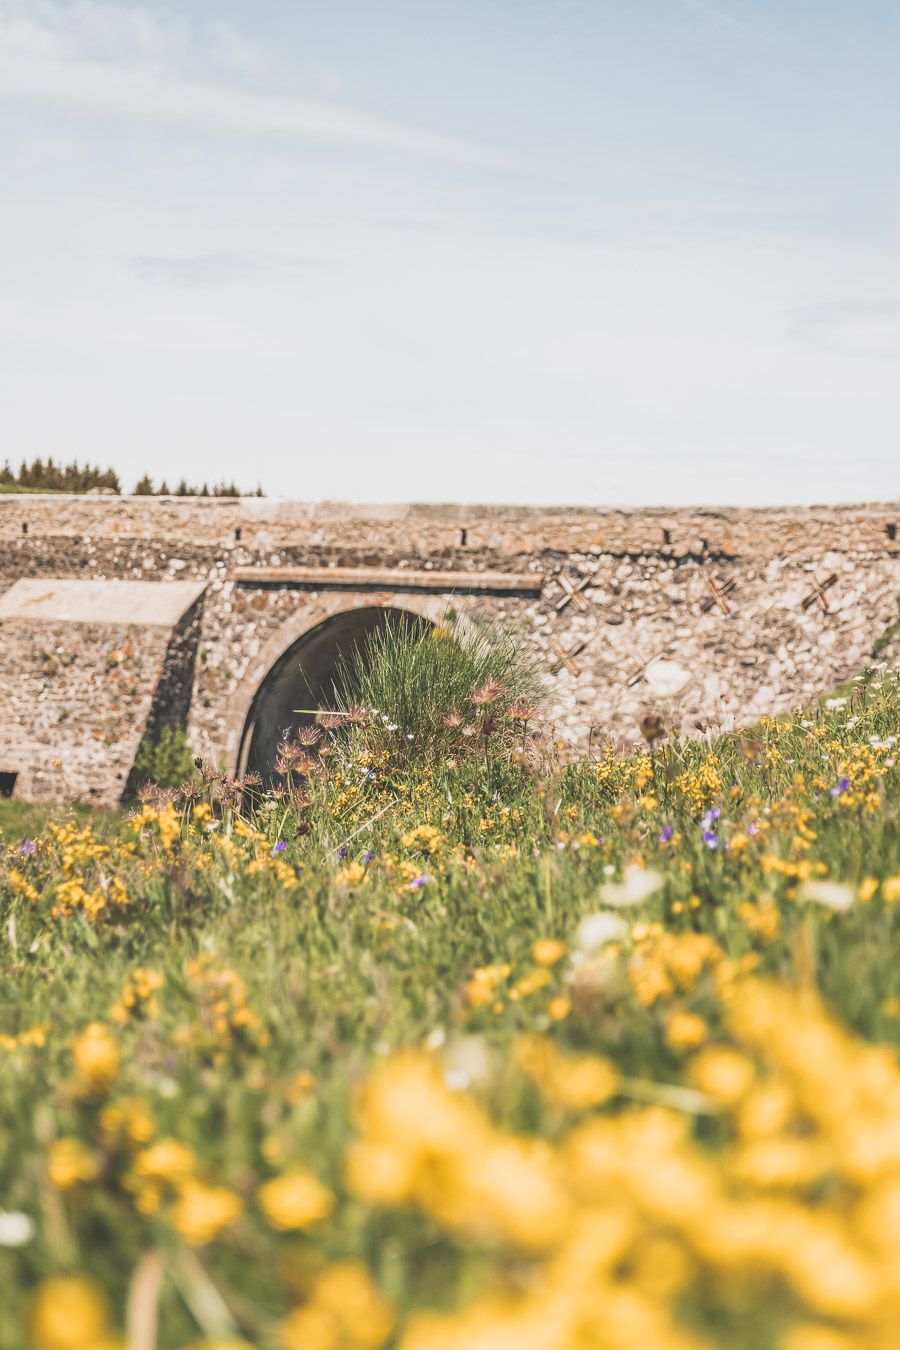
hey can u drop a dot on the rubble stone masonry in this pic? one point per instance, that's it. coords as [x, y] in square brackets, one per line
[714, 616]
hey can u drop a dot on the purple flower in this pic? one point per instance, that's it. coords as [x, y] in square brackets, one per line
[841, 787]
[754, 827]
[279, 847]
[667, 834]
[28, 847]
[711, 817]
[710, 839]
[342, 851]
[367, 857]
[419, 881]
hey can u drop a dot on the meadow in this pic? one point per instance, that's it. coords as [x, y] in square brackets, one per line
[443, 1043]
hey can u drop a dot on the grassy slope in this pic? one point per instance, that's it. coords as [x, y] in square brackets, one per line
[341, 971]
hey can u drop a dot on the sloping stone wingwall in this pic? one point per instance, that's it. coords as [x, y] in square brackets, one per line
[715, 615]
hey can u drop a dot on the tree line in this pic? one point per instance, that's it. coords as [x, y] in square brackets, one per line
[47, 476]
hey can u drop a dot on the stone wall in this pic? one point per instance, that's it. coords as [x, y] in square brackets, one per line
[75, 700]
[753, 611]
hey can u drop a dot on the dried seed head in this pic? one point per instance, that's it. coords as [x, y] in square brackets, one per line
[653, 726]
[309, 735]
[489, 692]
[329, 720]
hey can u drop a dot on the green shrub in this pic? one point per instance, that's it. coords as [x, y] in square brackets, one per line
[168, 761]
[431, 689]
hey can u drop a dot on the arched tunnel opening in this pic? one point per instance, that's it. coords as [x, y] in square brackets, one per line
[303, 679]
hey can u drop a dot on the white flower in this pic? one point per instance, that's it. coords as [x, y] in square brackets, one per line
[832, 703]
[15, 1228]
[831, 894]
[595, 930]
[636, 885]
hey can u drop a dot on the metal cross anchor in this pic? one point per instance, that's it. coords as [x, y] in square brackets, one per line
[564, 658]
[718, 595]
[819, 593]
[572, 592]
[635, 677]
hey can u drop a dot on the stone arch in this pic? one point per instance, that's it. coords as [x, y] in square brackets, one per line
[296, 667]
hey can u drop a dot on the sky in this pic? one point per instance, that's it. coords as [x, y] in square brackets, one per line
[600, 252]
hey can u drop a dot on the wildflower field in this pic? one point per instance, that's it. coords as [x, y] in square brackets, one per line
[440, 1043]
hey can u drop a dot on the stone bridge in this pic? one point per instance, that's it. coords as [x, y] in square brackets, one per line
[119, 616]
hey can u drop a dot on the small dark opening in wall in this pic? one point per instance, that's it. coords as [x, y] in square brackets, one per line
[237, 535]
[463, 537]
[7, 784]
[667, 536]
[24, 526]
[891, 529]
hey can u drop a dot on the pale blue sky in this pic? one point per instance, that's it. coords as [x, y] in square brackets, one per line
[593, 251]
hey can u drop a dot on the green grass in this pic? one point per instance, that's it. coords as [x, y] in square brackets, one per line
[342, 961]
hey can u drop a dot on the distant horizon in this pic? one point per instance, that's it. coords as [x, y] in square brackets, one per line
[561, 505]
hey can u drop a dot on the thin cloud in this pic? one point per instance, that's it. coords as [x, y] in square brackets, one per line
[210, 269]
[855, 328]
[98, 54]
[728, 20]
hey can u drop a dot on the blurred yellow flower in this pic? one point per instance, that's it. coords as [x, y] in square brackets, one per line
[166, 1160]
[68, 1313]
[685, 1031]
[201, 1212]
[69, 1162]
[573, 1082]
[723, 1074]
[96, 1056]
[547, 951]
[295, 1200]
[346, 1312]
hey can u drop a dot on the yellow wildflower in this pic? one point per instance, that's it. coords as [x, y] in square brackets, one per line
[354, 874]
[479, 990]
[295, 1200]
[723, 1074]
[96, 1056]
[346, 1312]
[685, 1031]
[69, 1313]
[573, 1082]
[762, 921]
[547, 951]
[166, 1160]
[69, 1163]
[201, 1212]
